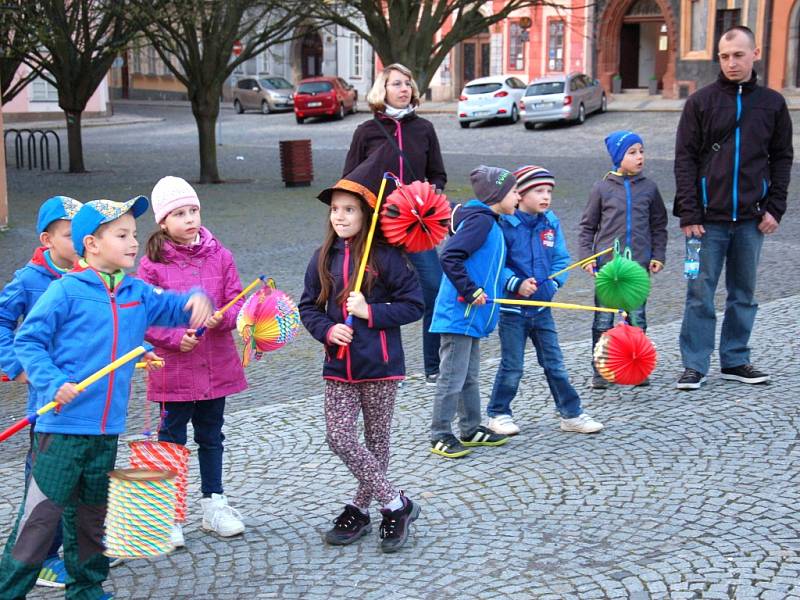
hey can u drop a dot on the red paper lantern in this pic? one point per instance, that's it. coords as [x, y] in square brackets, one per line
[625, 355]
[415, 217]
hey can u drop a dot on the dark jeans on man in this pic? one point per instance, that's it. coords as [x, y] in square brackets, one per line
[738, 247]
[207, 417]
[515, 330]
[429, 272]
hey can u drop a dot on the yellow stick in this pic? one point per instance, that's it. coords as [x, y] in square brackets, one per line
[372, 226]
[580, 263]
[129, 356]
[554, 305]
[244, 292]
[143, 364]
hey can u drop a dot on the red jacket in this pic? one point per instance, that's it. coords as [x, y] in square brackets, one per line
[213, 369]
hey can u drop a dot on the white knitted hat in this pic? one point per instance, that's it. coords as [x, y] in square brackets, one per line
[171, 193]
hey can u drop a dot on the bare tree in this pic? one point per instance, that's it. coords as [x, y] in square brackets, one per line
[195, 39]
[16, 39]
[75, 43]
[406, 31]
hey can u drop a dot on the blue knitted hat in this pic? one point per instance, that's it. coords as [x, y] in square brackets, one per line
[617, 144]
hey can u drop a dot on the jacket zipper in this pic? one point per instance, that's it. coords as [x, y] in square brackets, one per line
[113, 298]
[384, 346]
[627, 184]
[705, 193]
[736, 156]
[346, 274]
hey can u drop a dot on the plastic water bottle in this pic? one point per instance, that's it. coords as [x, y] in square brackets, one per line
[691, 265]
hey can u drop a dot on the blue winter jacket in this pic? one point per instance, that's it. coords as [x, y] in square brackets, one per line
[536, 248]
[16, 301]
[395, 299]
[473, 260]
[77, 327]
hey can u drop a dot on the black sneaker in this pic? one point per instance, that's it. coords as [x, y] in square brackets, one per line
[432, 379]
[449, 447]
[745, 374]
[598, 383]
[690, 380]
[483, 436]
[349, 526]
[644, 383]
[396, 525]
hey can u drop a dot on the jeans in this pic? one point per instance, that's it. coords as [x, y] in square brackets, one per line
[515, 329]
[738, 246]
[603, 321]
[457, 386]
[429, 272]
[207, 417]
[58, 538]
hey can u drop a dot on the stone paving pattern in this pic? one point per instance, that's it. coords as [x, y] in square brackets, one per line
[684, 495]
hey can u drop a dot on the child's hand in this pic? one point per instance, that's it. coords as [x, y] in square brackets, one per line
[357, 305]
[591, 268]
[656, 266]
[154, 362]
[189, 341]
[201, 309]
[66, 393]
[340, 334]
[214, 320]
[21, 378]
[527, 287]
[480, 300]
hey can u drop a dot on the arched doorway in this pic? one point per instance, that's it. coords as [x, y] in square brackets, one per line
[637, 39]
[311, 54]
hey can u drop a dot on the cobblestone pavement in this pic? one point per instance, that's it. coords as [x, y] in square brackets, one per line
[682, 496]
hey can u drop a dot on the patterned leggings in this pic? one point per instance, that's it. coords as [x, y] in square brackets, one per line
[343, 401]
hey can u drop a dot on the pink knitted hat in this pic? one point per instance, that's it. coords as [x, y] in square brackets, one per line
[171, 193]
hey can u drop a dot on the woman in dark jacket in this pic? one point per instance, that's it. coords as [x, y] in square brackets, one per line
[393, 100]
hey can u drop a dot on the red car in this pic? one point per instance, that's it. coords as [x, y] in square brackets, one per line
[324, 96]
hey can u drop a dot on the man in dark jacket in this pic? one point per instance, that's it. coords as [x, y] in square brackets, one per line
[733, 157]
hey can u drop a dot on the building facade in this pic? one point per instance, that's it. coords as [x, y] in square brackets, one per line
[783, 60]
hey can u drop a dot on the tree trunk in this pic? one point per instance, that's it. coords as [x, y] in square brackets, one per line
[74, 141]
[206, 112]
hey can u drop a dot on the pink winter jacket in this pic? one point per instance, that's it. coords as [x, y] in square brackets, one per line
[213, 369]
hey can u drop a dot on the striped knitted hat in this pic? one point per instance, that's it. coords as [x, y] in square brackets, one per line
[530, 176]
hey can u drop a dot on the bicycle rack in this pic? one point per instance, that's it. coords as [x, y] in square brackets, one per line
[42, 160]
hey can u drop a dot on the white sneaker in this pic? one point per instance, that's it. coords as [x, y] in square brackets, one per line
[221, 518]
[583, 423]
[176, 537]
[503, 424]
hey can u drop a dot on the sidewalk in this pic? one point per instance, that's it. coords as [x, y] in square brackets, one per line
[58, 122]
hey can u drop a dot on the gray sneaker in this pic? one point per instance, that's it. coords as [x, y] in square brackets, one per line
[690, 380]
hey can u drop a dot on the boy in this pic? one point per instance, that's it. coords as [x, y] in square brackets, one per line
[83, 321]
[536, 250]
[624, 206]
[50, 261]
[473, 262]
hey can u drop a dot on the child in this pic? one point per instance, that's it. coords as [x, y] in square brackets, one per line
[536, 250]
[624, 206]
[473, 262]
[367, 376]
[182, 254]
[49, 262]
[83, 321]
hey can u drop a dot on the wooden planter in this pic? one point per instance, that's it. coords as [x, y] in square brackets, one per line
[297, 168]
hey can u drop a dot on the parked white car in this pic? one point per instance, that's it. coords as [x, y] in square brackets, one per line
[493, 97]
[562, 98]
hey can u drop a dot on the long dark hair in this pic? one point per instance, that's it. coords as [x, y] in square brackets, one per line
[155, 245]
[357, 243]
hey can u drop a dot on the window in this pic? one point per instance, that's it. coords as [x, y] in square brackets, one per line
[725, 20]
[43, 91]
[356, 56]
[555, 46]
[315, 87]
[516, 53]
[576, 83]
[545, 88]
[482, 88]
[151, 60]
[137, 60]
[245, 84]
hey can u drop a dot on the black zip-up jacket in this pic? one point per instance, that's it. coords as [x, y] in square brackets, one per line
[414, 135]
[727, 170]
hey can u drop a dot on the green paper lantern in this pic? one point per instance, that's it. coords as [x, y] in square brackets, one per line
[622, 283]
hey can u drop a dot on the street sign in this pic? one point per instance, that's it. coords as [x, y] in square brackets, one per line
[237, 48]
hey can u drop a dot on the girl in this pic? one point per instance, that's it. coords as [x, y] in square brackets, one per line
[199, 372]
[366, 378]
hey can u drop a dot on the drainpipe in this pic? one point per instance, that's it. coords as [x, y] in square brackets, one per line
[767, 41]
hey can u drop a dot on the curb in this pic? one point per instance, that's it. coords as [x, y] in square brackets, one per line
[84, 124]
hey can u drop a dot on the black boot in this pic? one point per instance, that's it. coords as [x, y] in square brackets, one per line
[349, 526]
[396, 525]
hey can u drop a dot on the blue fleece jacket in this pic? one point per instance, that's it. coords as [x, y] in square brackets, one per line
[536, 248]
[473, 261]
[77, 327]
[16, 301]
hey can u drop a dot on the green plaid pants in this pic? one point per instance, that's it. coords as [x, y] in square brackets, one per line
[70, 481]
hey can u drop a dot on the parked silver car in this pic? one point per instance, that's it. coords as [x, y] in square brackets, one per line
[267, 94]
[561, 98]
